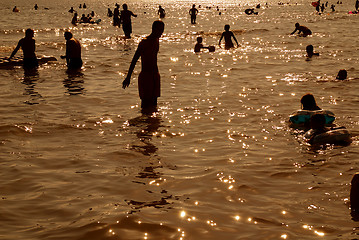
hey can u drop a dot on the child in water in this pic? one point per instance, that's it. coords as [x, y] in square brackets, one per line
[342, 74]
[199, 45]
[317, 125]
[302, 29]
[310, 51]
[228, 35]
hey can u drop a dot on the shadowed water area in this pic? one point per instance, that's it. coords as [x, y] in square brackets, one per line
[218, 160]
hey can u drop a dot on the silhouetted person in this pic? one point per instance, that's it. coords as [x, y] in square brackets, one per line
[80, 6]
[302, 29]
[193, 12]
[116, 16]
[228, 35]
[27, 44]
[333, 7]
[84, 5]
[357, 5]
[317, 126]
[308, 102]
[92, 14]
[109, 12]
[73, 52]
[15, 9]
[71, 10]
[354, 197]
[74, 19]
[342, 74]
[36, 7]
[161, 12]
[199, 45]
[149, 84]
[310, 51]
[125, 20]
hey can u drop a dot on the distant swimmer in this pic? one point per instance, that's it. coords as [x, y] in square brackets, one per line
[84, 5]
[357, 5]
[342, 74]
[74, 19]
[161, 12]
[73, 52]
[193, 12]
[27, 44]
[250, 11]
[71, 10]
[228, 35]
[317, 127]
[125, 20]
[310, 51]
[15, 9]
[36, 7]
[302, 29]
[149, 85]
[333, 7]
[354, 197]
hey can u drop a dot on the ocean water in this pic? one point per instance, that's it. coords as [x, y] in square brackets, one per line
[79, 161]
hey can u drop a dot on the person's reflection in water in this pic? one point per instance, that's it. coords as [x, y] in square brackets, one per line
[74, 82]
[147, 125]
[31, 76]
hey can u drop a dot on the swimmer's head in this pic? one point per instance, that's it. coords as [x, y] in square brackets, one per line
[310, 49]
[342, 74]
[193, 5]
[68, 35]
[226, 27]
[297, 25]
[29, 33]
[308, 102]
[199, 39]
[157, 28]
[317, 121]
[124, 6]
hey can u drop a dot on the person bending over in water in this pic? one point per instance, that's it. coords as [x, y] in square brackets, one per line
[149, 85]
[27, 45]
[125, 19]
[308, 102]
[302, 29]
[310, 51]
[228, 35]
[73, 52]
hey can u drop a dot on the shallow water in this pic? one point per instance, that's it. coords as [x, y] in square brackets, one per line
[79, 161]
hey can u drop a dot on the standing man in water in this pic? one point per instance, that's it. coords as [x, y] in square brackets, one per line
[27, 45]
[193, 12]
[73, 52]
[149, 85]
[125, 19]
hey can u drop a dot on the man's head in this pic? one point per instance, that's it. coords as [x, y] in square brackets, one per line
[68, 35]
[29, 33]
[157, 28]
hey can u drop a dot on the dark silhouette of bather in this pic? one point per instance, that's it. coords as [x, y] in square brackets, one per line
[193, 12]
[73, 52]
[125, 20]
[302, 30]
[149, 85]
[27, 44]
[228, 35]
[308, 102]
[310, 51]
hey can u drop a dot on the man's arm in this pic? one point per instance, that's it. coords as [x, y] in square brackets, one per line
[135, 58]
[294, 31]
[16, 49]
[220, 39]
[235, 39]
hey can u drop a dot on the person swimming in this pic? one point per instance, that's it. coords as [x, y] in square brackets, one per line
[317, 125]
[302, 29]
[228, 35]
[199, 45]
[308, 102]
[310, 51]
[342, 74]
